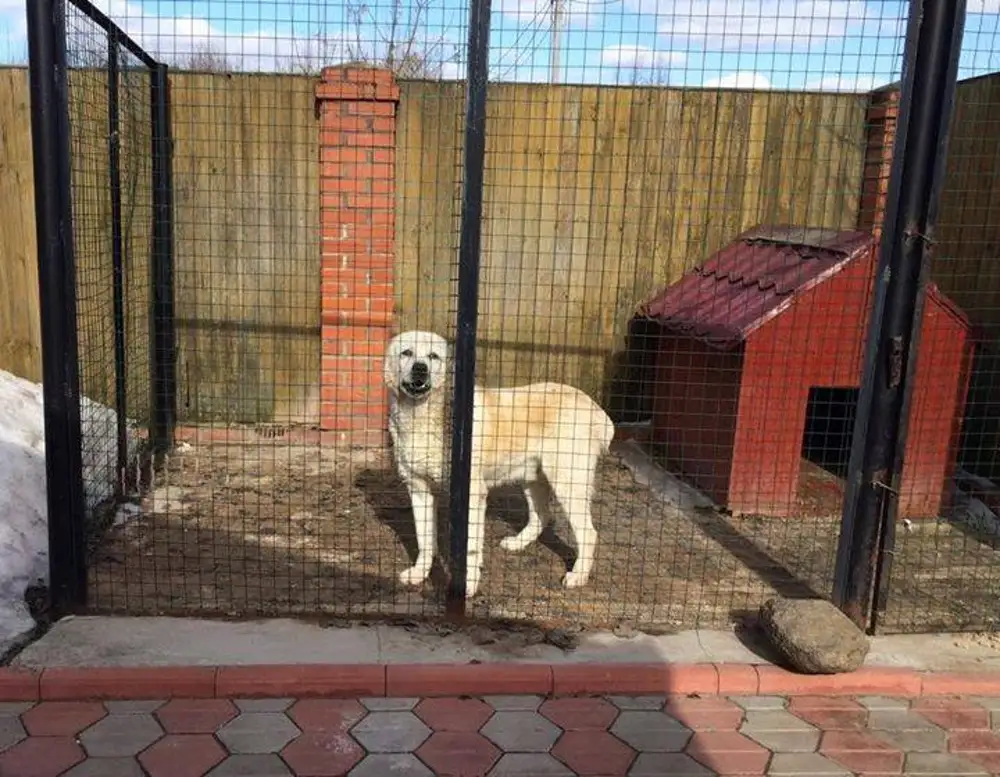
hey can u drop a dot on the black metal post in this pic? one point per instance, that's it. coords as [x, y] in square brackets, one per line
[468, 300]
[163, 378]
[50, 137]
[117, 262]
[934, 39]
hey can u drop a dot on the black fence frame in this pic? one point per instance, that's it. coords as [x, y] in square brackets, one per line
[934, 36]
[50, 132]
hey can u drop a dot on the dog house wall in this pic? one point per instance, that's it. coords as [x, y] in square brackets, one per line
[744, 338]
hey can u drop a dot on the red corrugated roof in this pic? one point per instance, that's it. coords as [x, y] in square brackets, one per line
[752, 280]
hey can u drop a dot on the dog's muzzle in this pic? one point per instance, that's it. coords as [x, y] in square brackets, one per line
[420, 380]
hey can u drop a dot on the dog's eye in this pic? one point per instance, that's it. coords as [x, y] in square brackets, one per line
[407, 353]
[433, 357]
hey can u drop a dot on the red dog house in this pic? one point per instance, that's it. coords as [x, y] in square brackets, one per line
[751, 340]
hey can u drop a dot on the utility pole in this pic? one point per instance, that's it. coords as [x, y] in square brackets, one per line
[556, 52]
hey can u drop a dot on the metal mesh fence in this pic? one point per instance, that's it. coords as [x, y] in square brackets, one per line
[945, 572]
[681, 208]
[110, 141]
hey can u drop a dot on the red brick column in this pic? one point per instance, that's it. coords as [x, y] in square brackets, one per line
[357, 109]
[883, 113]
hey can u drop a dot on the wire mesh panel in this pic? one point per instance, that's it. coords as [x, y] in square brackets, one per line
[680, 221]
[680, 203]
[316, 173]
[945, 571]
[109, 115]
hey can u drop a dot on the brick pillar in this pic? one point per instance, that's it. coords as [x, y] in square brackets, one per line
[357, 109]
[883, 113]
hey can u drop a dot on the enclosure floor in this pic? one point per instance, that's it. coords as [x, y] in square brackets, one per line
[270, 529]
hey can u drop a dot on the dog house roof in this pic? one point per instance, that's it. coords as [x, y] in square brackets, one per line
[752, 280]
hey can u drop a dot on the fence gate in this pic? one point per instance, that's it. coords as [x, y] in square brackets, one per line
[292, 259]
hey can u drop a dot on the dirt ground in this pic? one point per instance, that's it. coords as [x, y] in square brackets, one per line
[278, 529]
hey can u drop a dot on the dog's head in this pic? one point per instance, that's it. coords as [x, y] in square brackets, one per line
[415, 363]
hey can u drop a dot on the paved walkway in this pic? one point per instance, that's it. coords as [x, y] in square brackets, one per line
[503, 736]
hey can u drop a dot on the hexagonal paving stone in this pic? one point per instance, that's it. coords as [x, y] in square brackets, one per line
[459, 754]
[322, 753]
[727, 752]
[521, 732]
[326, 714]
[182, 755]
[134, 706]
[195, 716]
[535, 764]
[258, 732]
[117, 736]
[390, 704]
[652, 732]
[402, 764]
[61, 718]
[451, 714]
[391, 732]
[40, 757]
[578, 714]
[263, 705]
[514, 703]
[267, 765]
[107, 767]
[15, 708]
[11, 732]
[647, 703]
[593, 752]
[663, 764]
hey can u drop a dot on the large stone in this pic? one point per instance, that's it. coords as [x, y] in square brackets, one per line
[813, 636]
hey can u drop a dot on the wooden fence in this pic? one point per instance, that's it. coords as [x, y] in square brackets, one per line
[595, 198]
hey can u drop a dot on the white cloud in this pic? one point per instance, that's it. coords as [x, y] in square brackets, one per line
[640, 57]
[983, 6]
[741, 79]
[539, 12]
[755, 24]
[843, 83]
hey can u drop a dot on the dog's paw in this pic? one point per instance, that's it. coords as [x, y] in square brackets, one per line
[574, 580]
[514, 543]
[413, 576]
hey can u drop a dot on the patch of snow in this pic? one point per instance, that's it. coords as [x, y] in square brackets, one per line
[24, 551]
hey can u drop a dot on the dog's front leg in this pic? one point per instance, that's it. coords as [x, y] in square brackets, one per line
[422, 500]
[477, 532]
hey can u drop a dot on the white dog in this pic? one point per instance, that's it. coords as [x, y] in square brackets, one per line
[518, 434]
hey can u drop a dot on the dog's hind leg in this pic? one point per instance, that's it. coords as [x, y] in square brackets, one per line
[535, 496]
[422, 499]
[477, 536]
[572, 485]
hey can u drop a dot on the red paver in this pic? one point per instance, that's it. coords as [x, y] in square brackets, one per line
[953, 714]
[591, 752]
[830, 714]
[322, 754]
[862, 752]
[983, 747]
[40, 757]
[458, 754]
[195, 716]
[705, 714]
[62, 718]
[728, 752]
[580, 714]
[333, 715]
[182, 755]
[451, 714]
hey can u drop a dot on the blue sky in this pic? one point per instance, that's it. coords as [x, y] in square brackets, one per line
[847, 45]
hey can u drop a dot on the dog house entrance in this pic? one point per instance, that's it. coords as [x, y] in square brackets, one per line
[826, 441]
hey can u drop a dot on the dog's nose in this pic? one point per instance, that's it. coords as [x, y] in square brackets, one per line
[419, 373]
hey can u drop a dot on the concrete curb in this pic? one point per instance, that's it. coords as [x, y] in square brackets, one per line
[354, 680]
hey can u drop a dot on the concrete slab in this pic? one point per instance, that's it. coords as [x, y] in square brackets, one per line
[151, 641]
